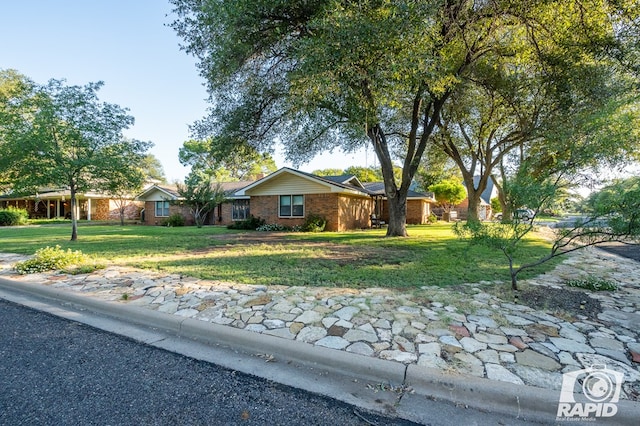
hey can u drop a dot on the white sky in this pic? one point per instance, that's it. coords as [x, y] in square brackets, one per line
[126, 44]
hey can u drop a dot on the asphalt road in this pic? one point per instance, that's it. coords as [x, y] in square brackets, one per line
[58, 372]
[632, 251]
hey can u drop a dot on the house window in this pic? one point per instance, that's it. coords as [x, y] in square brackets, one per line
[240, 210]
[291, 206]
[162, 209]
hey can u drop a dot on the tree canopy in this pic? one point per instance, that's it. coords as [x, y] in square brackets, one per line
[62, 136]
[333, 73]
[224, 161]
[448, 193]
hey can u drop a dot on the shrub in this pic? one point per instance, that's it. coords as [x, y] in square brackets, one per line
[174, 220]
[314, 223]
[594, 284]
[432, 218]
[251, 224]
[13, 216]
[279, 228]
[50, 258]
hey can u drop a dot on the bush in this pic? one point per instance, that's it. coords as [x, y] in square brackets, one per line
[432, 218]
[250, 224]
[13, 216]
[314, 223]
[174, 220]
[50, 258]
[593, 284]
[279, 228]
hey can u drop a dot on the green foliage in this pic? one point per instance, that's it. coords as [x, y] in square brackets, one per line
[250, 224]
[314, 223]
[448, 193]
[593, 283]
[50, 258]
[619, 205]
[432, 218]
[201, 195]
[477, 79]
[496, 207]
[12, 216]
[56, 135]
[328, 172]
[174, 220]
[277, 227]
[226, 159]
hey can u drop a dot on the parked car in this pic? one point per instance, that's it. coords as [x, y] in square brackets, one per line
[521, 214]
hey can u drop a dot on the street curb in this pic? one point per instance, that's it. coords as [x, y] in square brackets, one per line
[527, 402]
[519, 401]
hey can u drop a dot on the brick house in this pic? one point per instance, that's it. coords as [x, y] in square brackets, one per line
[287, 197]
[51, 203]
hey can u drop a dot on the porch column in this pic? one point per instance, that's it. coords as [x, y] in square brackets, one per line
[89, 209]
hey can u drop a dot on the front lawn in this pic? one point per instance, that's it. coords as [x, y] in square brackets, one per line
[432, 255]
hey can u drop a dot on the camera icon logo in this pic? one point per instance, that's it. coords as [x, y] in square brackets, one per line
[600, 388]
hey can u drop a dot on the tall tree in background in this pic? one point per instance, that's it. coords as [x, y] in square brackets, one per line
[152, 168]
[224, 161]
[63, 136]
[16, 106]
[328, 74]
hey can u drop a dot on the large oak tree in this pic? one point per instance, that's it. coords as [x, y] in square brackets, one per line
[318, 75]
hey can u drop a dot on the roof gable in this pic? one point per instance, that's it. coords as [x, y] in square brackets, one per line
[290, 181]
[158, 193]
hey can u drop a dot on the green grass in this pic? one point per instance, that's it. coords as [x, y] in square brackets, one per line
[432, 255]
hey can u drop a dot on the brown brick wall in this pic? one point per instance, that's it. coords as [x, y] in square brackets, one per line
[131, 210]
[151, 219]
[342, 212]
[418, 212]
[102, 210]
[354, 212]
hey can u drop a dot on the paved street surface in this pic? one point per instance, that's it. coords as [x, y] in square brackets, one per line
[58, 372]
[631, 251]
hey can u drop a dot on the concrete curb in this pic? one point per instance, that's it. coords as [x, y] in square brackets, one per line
[317, 369]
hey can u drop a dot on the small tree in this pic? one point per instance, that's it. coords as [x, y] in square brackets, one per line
[63, 136]
[448, 193]
[201, 195]
[614, 216]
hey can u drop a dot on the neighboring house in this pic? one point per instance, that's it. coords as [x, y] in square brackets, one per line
[484, 210]
[50, 203]
[288, 196]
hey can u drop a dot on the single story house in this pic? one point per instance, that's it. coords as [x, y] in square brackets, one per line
[51, 203]
[288, 196]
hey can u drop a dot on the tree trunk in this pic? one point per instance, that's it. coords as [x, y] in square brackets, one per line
[473, 195]
[397, 216]
[74, 219]
[396, 197]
